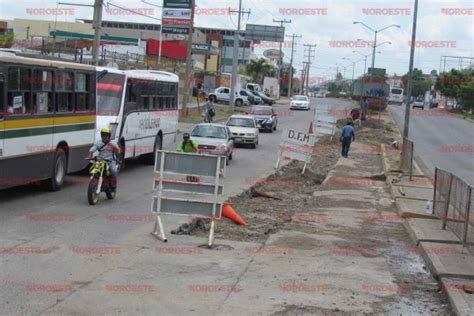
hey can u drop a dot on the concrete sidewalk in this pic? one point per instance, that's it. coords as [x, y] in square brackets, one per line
[441, 249]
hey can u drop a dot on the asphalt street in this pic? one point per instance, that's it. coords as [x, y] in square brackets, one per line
[78, 246]
[441, 140]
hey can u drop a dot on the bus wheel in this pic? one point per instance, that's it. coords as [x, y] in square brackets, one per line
[58, 173]
[150, 158]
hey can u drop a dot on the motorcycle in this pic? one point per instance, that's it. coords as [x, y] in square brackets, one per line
[100, 180]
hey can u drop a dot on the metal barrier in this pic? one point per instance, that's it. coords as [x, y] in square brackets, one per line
[407, 156]
[452, 203]
[188, 185]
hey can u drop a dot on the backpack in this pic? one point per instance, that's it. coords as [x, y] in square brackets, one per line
[212, 113]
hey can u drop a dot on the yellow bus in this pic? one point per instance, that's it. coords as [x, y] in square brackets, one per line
[47, 120]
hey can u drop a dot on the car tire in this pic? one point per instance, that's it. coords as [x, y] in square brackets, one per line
[239, 103]
[213, 99]
[253, 146]
[58, 173]
[275, 128]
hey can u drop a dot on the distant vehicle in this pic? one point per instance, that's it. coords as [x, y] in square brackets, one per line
[299, 102]
[251, 97]
[419, 103]
[222, 94]
[9, 52]
[213, 139]
[321, 94]
[265, 117]
[254, 87]
[141, 109]
[395, 96]
[266, 99]
[244, 129]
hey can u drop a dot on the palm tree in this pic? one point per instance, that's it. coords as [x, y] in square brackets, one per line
[259, 69]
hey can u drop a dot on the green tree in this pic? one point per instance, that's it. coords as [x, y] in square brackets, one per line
[259, 69]
[421, 82]
[459, 85]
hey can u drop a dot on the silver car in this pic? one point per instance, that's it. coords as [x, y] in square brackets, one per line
[213, 139]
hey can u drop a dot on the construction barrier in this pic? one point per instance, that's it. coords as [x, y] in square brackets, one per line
[452, 199]
[188, 185]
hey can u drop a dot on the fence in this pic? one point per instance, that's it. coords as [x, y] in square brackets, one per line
[452, 203]
[407, 156]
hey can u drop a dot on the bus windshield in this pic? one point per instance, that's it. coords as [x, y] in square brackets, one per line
[109, 94]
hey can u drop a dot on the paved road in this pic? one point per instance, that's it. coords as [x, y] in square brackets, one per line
[83, 245]
[441, 140]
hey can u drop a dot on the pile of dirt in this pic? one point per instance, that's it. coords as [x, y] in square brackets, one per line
[265, 216]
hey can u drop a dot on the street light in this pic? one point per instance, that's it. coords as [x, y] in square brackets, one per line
[365, 57]
[353, 65]
[375, 38]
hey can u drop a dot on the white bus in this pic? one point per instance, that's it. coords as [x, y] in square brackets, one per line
[140, 107]
[47, 120]
[395, 96]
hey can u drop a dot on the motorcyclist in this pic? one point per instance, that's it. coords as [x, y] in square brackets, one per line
[107, 150]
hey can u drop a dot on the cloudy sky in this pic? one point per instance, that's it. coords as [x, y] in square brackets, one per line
[445, 27]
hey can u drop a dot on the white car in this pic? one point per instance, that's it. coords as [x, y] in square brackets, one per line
[300, 102]
[419, 103]
[213, 139]
[244, 129]
[222, 94]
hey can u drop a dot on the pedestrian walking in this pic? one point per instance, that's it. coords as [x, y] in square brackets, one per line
[364, 107]
[347, 137]
[209, 111]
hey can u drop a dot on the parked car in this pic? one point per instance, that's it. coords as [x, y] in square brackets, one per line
[266, 99]
[299, 102]
[265, 117]
[222, 94]
[251, 97]
[213, 139]
[244, 129]
[419, 103]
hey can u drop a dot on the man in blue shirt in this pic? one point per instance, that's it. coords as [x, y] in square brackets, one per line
[364, 106]
[347, 136]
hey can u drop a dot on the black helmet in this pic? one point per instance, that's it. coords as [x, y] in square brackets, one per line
[186, 135]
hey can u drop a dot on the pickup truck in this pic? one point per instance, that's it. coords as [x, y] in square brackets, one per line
[222, 94]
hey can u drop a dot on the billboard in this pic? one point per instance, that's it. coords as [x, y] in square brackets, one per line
[184, 4]
[267, 33]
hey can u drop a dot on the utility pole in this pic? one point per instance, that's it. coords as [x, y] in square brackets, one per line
[410, 75]
[98, 5]
[293, 50]
[235, 58]
[303, 77]
[189, 60]
[311, 51]
[280, 60]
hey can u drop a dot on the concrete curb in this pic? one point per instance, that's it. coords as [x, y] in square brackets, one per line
[461, 301]
[442, 266]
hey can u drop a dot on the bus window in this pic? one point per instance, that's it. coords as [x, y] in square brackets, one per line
[42, 91]
[82, 100]
[146, 103]
[109, 94]
[19, 94]
[64, 87]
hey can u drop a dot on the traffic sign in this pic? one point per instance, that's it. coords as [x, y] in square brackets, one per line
[176, 22]
[177, 14]
[174, 30]
[177, 4]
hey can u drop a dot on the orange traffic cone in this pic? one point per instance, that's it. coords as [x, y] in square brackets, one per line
[228, 211]
[310, 128]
